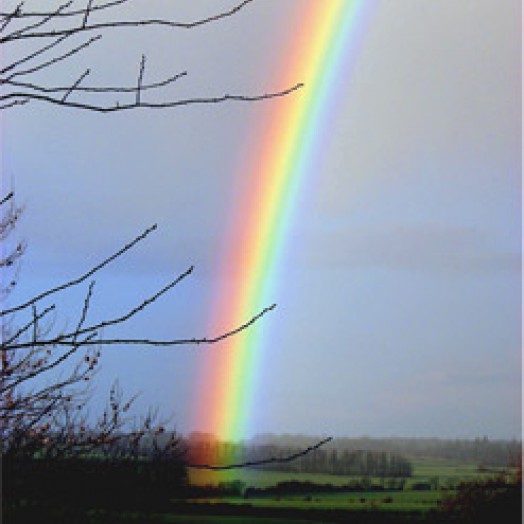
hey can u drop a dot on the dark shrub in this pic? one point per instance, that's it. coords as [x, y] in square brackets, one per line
[484, 501]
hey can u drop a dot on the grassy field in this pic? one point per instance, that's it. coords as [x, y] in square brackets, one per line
[407, 506]
[202, 519]
[443, 474]
[213, 519]
[390, 501]
[447, 472]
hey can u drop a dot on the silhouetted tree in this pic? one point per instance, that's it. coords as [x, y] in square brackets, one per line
[47, 419]
[48, 416]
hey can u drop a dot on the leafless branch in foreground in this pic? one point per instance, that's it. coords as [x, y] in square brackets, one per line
[32, 411]
[263, 462]
[50, 418]
[60, 35]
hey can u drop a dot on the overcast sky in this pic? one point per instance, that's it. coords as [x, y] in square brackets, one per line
[399, 313]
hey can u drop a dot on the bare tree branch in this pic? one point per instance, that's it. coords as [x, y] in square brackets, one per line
[152, 105]
[50, 418]
[140, 77]
[56, 59]
[8, 197]
[131, 312]
[8, 17]
[83, 277]
[75, 85]
[25, 31]
[40, 14]
[87, 13]
[263, 462]
[44, 368]
[27, 416]
[132, 89]
[14, 92]
[32, 55]
[62, 340]
[18, 102]
[24, 34]
[29, 325]
[85, 309]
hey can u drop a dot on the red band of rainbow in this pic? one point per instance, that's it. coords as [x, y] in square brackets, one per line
[286, 154]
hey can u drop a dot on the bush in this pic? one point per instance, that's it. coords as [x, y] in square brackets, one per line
[484, 501]
[95, 483]
[421, 486]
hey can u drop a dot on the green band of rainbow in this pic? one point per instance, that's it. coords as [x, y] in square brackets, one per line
[286, 156]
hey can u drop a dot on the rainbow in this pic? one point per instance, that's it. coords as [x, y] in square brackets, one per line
[284, 156]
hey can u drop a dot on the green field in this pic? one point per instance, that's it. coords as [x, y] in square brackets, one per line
[449, 471]
[406, 506]
[446, 471]
[213, 519]
[441, 474]
[390, 501]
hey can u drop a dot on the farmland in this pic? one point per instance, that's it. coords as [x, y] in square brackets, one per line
[263, 496]
[436, 477]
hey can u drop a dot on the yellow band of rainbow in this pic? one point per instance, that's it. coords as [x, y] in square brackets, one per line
[286, 154]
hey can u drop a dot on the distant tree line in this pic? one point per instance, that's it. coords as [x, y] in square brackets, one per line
[480, 451]
[294, 487]
[330, 461]
[345, 462]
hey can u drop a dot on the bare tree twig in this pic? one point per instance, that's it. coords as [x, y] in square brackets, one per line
[24, 32]
[40, 14]
[85, 310]
[14, 92]
[42, 370]
[27, 326]
[140, 77]
[8, 17]
[75, 85]
[263, 462]
[87, 13]
[34, 348]
[115, 24]
[83, 277]
[14, 103]
[8, 197]
[145, 87]
[32, 55]
[62, 341]
[56, 59]
[153, 105]
[132, 312]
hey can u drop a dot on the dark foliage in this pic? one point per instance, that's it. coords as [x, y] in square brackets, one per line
[92, 483]
[295, 487]
[485, 501]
